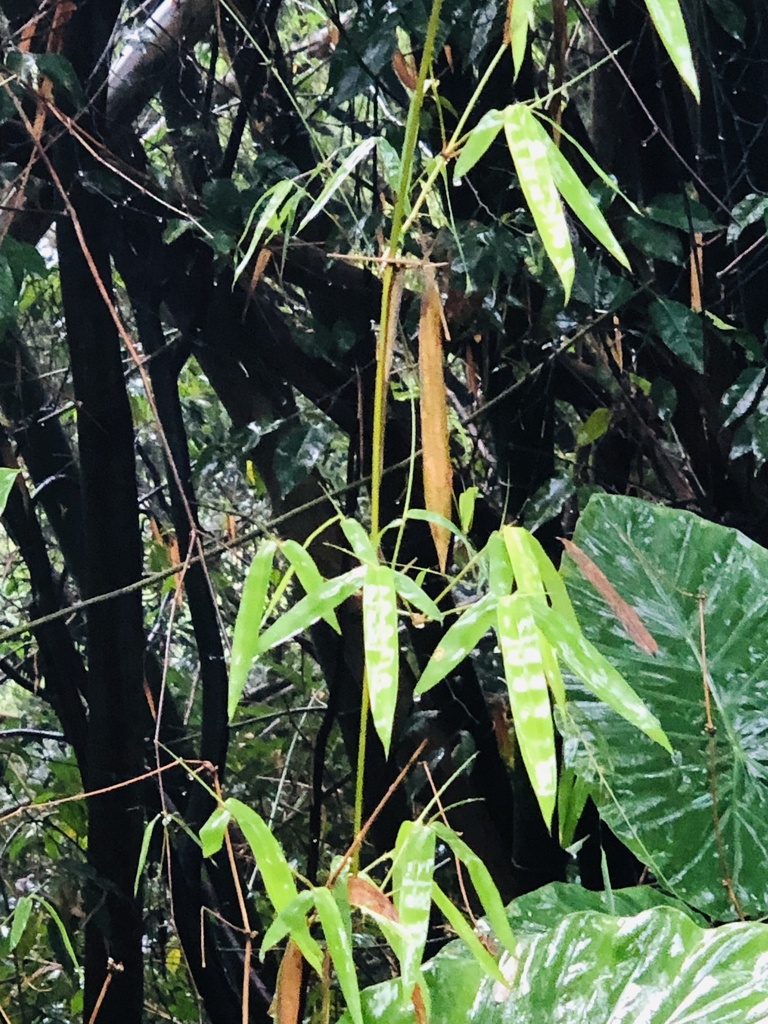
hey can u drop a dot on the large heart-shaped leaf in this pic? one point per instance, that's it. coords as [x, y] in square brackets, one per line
[700, 819]
[586, 966]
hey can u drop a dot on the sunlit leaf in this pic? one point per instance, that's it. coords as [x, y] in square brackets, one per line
[410, 591]
[245, 643]
[359, 541]
[213, 831]
[311, 608]
[534, 172]
[292, 921]
[519, 14]
[522, 557]
[382, 648]
[7, 480]
[520, 643]
[477, 143]
[472, 624]
[414, 866]
[667, 16]
[500, 576]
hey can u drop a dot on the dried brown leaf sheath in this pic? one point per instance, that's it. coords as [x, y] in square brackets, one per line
[438, 478]
[367, 896]
[288, 995]
[624, 612]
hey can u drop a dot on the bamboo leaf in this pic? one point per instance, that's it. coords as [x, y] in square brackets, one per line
[21, 914]
[359, 541]
[519, 14]
[521, 643]
[522, 557]
[212, 832]
[7, 480]
[478, 142]
[245, 642]
[500, 576]
[338, 937]
[270, 219]
[473, 623]
[414, 866]
[411, 592]
[382, 648]
[467, 502]
[337, 179]
[467, 934]
[436, 459]
[63, 934]
[534, 172]
[667, 16]
[292, 920]
[303, 564]
[149, 829]
[311, 608]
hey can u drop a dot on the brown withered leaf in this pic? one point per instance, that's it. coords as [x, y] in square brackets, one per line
[418, 1005]
[405, 69]
[367, 896]
[288, 994]
[623, 611]
[438, 475]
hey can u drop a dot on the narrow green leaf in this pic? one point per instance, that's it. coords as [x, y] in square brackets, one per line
[485, 887]
[534, 173]
[467, 502]
[522, 556]
[414, 866]
[478, 142]
[411, 592]
[553, 583]
[577, 195]
[520, 643]
[149, 829]
[303, 564]
[7, 480]
[467, 934]
[500, 575]
[552, 670]
[292, 920]
[21, 913]
[473, 623]
[65, 939]
[382, 648]
[270, 220]
[311, 608]
[339, 941]
[667, 16]
[520, 16]
[212, 832]
[359, 541]
[597, 673]
[245, 642]
[337, 179]
[572, 795]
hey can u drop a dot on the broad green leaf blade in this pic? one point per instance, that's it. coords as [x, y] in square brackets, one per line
[245, 642]
[521, 643]
[411, 592]
[466, 933]
[303, 564]
[20, 920]
[660, 560]
[534, 172]
[382, 648]
[472, 624]
[414, 866]
[588, 967]
[7, 480]
[213, 831]
[681, 329]
[484, 885]
[598, 674]
[478, 142]
[519, 13]
[337, 179]
[339, 940]
[668, 19]
[311, 608]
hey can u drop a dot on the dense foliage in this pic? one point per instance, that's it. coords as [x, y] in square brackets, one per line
[302, 307]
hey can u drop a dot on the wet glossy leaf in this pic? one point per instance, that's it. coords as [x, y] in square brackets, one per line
[473, 623]
[660, 560]
[681, 329]
[531, 158]
[338, 937]
[382, 648]
[521, 644]
[245, 642]
[668, 19]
